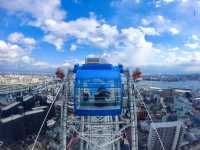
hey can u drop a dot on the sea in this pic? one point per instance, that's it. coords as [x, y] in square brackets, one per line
[193, 85]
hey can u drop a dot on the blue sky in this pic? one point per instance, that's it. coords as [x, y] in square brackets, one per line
[159, 36]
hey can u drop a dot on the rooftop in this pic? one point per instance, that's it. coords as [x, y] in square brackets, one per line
[34, 112]
[10, 106]
[10, 118]
[166, 124]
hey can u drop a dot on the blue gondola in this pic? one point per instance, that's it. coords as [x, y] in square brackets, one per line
[97, 90]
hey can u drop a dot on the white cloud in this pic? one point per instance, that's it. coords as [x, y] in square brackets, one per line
[127, 46]
[169, 1]
[149, 30]
[19, 38]
[32, 62]
[11, 52]
[160, 24]
[174, 58]
[192, 45]
[193, 42]
[15, 54]
[39, 10]
[124, 3]
[50, 18]
[41, 64]
[66, 64]
[131, 48]
[137, 1]
[195, 37]
[85, 30]
[145, 22]
[184, 1]
[57, 41]
[174, 30]
[69, 63]
[73, 47]
[159, 3]
[27, 59]
[161, 19]
[92, 56]
[174, 49]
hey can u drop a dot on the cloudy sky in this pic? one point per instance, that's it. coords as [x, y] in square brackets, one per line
[159, 36]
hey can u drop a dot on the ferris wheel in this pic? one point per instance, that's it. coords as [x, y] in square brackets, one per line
[99, 112]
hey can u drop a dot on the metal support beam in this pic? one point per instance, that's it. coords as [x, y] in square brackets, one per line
[64, 119]
[117, 129]
[82, 130]
[133, 115]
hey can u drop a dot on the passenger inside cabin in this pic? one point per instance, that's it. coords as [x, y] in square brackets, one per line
[100, 97]
[85, 96]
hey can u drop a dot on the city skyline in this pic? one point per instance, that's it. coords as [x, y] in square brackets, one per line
[159, 36]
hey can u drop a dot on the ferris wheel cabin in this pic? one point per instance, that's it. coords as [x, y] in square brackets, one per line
[97, 89]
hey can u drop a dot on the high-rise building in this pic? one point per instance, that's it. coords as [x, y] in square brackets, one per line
[170, 134]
